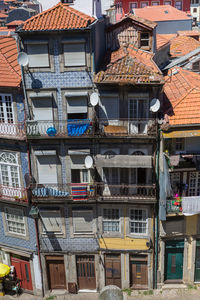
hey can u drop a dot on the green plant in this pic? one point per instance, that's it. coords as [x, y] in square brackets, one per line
[50, 298]
[150, 292]
[128, 291]
[191, 287]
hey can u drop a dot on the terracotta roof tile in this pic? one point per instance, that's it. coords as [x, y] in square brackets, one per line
[15, 22]
[3, 16]
[161, 41]
[58, 17]
[161, 13]
[189, 32]
[182, 89]
[131, 66]
[181, 45]
[10, 75]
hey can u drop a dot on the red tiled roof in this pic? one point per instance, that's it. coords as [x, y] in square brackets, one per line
[182, 89]
[58, 17]
[2, 15]
[15, 22]
[131, 66]
[189, 32]
[161, 13]
[10, 75]
[161, 41]
[181, 45]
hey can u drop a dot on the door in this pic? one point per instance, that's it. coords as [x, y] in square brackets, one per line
[113, 269]
[138, 272]
[7, 125]
[197, 263]
[174, 264]
[138, 116]
[86, 272]
[23, 271]
[111, 178]
[56, 272]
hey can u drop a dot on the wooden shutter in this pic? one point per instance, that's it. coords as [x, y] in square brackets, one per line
[51, 221]
[109, 108]
[38, 55]
[74, 55]
[42, 109]
[47, 169]
[82, 221]
[77, 105]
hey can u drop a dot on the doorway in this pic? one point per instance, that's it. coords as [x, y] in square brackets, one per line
[113, 269]
[138, 272]
[174, 260]
[86, 272]
[56, 272]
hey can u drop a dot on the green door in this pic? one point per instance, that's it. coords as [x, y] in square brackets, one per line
[197, 263]
[174, 261]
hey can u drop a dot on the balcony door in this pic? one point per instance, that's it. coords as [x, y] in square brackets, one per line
[111, 178]
[138, 116]
[80, 179]
[137, 179]
[6, 115]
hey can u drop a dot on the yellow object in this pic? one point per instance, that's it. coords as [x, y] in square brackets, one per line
[123, 244]
[181, 134]
[4, 270]
[2, 294]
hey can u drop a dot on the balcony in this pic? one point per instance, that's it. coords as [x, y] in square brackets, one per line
[128, 191]
[128, 127]
[72, 191]
[10, 130]
[174, 206]
[70, 128]
[13, 194]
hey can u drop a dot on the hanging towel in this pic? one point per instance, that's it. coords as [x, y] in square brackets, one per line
[174, 160]
[191, 205]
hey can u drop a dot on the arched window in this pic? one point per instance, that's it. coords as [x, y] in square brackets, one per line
[9, 169]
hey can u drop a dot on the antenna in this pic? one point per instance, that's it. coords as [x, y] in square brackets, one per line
[154, 105]
[88, 162]
[22, 59]
[94, 99]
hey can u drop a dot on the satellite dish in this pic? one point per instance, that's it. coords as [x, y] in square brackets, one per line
[88, 162]
[22, 59]
[94, 99]
[155, 105]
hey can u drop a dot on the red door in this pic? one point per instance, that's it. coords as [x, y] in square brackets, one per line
[23, 271]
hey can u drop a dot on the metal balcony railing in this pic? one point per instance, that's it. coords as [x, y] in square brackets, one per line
[13, 193]
[127, 127]
[126, 190]
[10, 130]
[70, 128]
[173, 206]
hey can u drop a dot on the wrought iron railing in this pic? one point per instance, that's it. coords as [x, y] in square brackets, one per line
[10, 130]
[173, 206]
[70, 128]
[127, 127]
[13, 193]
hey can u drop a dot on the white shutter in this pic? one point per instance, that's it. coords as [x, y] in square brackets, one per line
[51, 221]
[83, 221]
[47, 169]
[109, 109]
[42, 109]
[38, 55]
[74, 55]
[77, 105]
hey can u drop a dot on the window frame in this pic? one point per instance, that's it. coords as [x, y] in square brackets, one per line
[143, 2]
[3, 109]
[146, 222]
[196, 187]
[130, 4]
[169, 2]
[111, 220]
[92, 222]
[181, 3]
[9, 171]
[48, 58]
[79, 41]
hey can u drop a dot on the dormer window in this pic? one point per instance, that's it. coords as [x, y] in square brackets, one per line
[67, 1]
[144, 39]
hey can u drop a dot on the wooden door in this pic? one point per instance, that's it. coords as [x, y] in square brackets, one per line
[138, 272]
[56, 272]
[86, 272]
[113, 269]
[23, 271]
[174, 264]
[197, 263]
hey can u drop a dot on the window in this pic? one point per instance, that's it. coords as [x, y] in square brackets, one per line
[138, 221]
[144, 39]
[6, 109]
[47, 168]
[67, 1]
[194, 184]
[51, 221]
[132, 5]
[167, 3]
[15, 222]
[111, 220]
[83, 221]
[77, 108]
[143, 4]
[138, 115]
[74, 54]
[194, 10]
[179, 144]
[118, 8]
[38, 55]
[80, 176]
[155, 3]
[9, 169]
[196, 66]
[175, 178]
[111, 175]
[178, 5]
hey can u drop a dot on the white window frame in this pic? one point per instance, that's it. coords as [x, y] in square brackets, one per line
[108, 220]
[155, 3]
[74, 63]
[35, 64]
[130, 5]
[92, 222]
[194, 187]
[8, 164]
[143, 2]
[4, 106]
[8, 211]
[168, 2]
[138, 221]
[59, 215]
